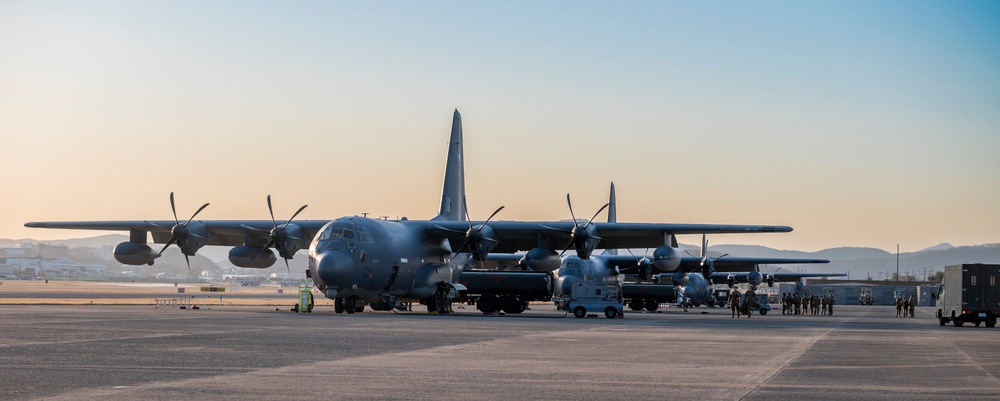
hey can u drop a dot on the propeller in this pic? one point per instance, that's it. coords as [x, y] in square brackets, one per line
[770, 275]
[179, 233]
[579, 234]
[476, 236]
[279, 235]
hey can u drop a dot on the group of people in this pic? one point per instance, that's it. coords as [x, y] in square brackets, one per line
[743, 304]
[801, 304]
[904, 306]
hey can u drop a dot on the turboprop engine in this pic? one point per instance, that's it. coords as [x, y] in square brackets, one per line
[755, 278]
[541, 260]
[252, 257]
[666, 258]
[131, 253]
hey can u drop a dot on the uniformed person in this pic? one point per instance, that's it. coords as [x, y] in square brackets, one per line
[749, 300]
[899, 306]
[912, 305]
[829, 305]
[734, 302]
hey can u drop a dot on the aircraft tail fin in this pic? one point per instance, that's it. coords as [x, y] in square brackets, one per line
[453, 195]
[612, 215]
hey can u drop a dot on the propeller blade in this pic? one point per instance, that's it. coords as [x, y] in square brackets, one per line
[293, 216]
[261, 230]
[188, 260]
[595, 214]
[448, 229]
[566, 248]
[271, 211]
[173, 209]
[568, 202]
[196, 213]
[269, 244]
[172, 240]
[154, 224]
[556, 229]
[286, 265]
[494, 214]
[467, 217]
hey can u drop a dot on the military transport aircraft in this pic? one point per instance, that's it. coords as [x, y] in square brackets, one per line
[359, 260]
[691, 276]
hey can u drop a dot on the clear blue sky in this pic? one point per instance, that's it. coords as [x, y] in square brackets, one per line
[858, 123]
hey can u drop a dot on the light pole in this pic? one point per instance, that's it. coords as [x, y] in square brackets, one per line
[897, 262]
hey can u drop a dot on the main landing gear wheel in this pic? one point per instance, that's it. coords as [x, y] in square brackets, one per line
[580, 311]
[350, 305]
[610, 312]
[338, 305]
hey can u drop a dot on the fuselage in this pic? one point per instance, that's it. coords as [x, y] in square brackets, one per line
[371, 259]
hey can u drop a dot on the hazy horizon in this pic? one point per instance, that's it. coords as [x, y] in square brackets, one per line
[857, 123]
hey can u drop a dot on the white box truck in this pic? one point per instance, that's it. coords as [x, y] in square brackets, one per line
[969, 293]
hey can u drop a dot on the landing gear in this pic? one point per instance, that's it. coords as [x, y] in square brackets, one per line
[350, 305]
[439, 303]
[338, 305]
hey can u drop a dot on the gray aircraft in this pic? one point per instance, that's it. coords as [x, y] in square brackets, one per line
[690, 275]
[384, 263]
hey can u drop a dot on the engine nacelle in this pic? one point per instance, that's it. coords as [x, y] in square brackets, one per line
[755, 278]
[770, 280]
[666, 258]
[131, 253]
[679, 278]
[247, 256]
[482, 239]
[541, 260]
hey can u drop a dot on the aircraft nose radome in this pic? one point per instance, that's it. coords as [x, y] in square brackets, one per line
[336, 269]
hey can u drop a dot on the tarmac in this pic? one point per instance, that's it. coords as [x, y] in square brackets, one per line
[129, 352]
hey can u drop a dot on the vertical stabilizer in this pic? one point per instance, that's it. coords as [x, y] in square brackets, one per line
[612, 215]
[453, 194]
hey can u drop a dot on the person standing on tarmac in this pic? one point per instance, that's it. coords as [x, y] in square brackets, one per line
[899, 306]
[734, 302]
[829, 305]
[912, 305]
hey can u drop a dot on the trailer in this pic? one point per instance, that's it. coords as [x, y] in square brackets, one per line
[969, 293]
[509, 291]
[648, 296]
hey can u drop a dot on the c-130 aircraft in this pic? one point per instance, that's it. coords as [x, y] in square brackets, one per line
[383, 263]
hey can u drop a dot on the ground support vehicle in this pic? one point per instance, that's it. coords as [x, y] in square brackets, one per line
[508, 291]
[647, 296]
[969, 293]
[593, 296]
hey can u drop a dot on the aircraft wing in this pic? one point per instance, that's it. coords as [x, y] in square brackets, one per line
[221, 232]
[744, 264]
[520, 235]
[784, 277]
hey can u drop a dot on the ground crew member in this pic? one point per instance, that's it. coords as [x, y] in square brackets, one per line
[796, 302]
[829, 305]
[734, 302]
[749, 300]
[912, 305]
[899, 305]
[822, 305]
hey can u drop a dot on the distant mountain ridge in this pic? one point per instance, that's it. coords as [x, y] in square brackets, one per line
[858, 261]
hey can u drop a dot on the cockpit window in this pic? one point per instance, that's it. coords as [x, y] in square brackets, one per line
[349, 235]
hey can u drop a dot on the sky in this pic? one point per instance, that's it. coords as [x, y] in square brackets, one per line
[858, 123]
